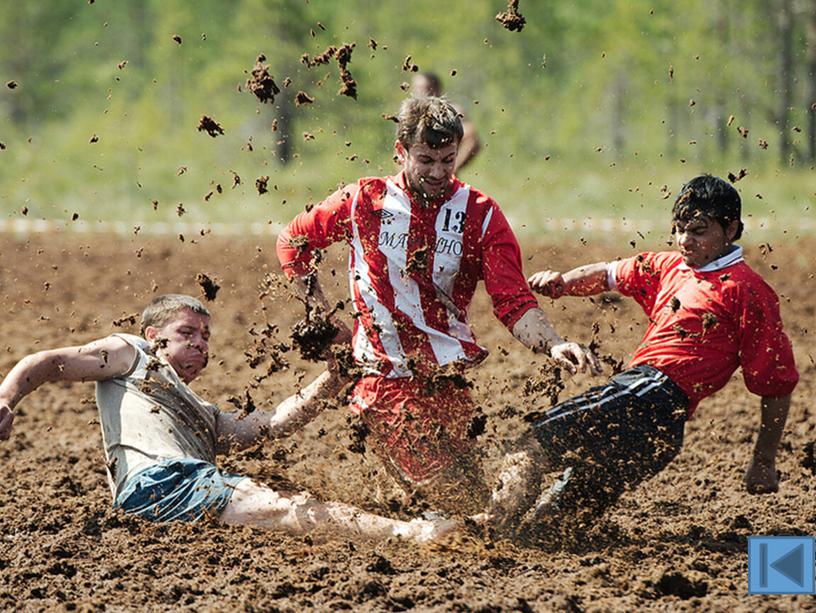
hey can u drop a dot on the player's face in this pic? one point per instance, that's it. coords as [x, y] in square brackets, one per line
[703, 240]
[428, 171]
[186, 342]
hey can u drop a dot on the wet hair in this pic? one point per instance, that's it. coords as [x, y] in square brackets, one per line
[708, 196]
[162, 309]
[430, 120]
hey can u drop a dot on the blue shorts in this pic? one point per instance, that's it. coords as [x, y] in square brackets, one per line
[184, 490]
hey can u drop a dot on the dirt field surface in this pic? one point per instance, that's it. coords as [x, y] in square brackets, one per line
[677, 543]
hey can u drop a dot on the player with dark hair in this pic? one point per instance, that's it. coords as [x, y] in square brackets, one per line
[420, 241]
[709, 314]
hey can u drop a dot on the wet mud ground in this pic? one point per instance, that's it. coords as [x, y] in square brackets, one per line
[677, 543]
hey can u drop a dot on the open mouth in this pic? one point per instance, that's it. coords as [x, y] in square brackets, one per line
[434, 185]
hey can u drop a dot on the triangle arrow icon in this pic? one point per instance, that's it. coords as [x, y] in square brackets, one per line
[792, 565]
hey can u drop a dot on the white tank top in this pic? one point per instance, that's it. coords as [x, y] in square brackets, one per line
[149, 415]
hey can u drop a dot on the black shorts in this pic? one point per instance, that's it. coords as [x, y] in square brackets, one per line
[616, 435]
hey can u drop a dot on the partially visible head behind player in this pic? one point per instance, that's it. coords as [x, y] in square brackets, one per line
[180, 326]
[425, 84]
[706, 219]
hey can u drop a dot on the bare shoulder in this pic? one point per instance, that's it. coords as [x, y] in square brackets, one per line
[113, 354]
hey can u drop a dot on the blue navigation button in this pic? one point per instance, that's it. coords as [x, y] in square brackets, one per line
[781, 565]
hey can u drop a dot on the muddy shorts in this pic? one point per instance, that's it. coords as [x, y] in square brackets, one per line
[419, 431]
[616, 435]
[183, 490]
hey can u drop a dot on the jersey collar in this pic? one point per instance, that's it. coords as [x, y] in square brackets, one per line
[729, 259]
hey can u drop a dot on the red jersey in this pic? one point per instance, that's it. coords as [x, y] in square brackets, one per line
[704, 323]
[413, 269]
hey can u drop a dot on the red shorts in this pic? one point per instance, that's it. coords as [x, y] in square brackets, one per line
[419, 432]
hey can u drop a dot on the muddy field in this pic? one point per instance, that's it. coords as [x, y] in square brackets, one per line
[677, 543]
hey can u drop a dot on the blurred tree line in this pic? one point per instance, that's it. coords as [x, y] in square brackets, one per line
[731, 79]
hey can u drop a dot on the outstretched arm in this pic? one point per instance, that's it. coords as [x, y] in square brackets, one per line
[289, 416]
[103, 359]
[585, 280]
[761, 478]
[534, 331]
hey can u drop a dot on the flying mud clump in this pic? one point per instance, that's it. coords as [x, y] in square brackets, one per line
[262, 84]
[245, 404]
[208, 286]
[261, 184]
[511, 19]
[210, 126]
[313, 335]
[343, 57]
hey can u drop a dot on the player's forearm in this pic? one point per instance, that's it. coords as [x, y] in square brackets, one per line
[29, 374]
[774, 415]
[534, 331]
[586, 280]
[468, 147]
[299, 409]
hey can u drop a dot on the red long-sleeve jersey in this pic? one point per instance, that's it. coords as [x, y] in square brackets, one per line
[413, 269]
[705, 323]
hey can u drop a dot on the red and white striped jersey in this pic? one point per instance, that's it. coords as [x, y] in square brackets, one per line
[413, 270]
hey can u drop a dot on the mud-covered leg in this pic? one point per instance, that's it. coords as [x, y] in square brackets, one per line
[256, 505]
[460, 489]
[517, 485]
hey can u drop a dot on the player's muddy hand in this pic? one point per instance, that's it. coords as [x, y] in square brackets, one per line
[6, 419]
[761, 477]
[575, 358]
[343, 336]
[548, 282]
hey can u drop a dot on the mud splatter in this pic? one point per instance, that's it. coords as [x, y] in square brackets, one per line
[261, 83]
[511, 19]
[313, 335]
[260, 184]
[302, 98]
[244, 404]
[208, 286]
[210, 126]
[127, 320]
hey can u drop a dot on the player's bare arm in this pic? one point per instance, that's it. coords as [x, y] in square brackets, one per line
[292, 414]
[586, 280]
[761, 477]
[534, 331]
[469, 145]
[99, 360]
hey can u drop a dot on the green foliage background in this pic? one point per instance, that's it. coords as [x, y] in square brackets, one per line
[588, 112]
